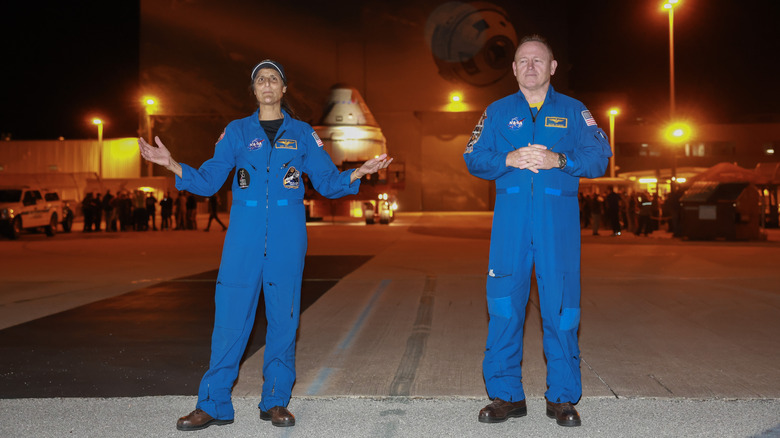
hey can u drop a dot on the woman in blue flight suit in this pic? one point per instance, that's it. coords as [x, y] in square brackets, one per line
[265, 244]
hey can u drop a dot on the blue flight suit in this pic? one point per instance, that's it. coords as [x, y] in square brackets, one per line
[535, 225]
[264, 248]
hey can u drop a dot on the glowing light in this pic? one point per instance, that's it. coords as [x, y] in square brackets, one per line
[647, 180]
[670, 4]
[614, 111]
[97, 121]
[681, 180]
[678, 132]
[124, 150]
[151, 104]
[456, 103]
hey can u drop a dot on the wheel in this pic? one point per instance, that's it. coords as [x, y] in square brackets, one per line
[51, 229]
[16, 228]
[67, 222]
[369, 221]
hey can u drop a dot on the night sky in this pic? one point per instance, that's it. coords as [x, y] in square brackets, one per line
[65, 62]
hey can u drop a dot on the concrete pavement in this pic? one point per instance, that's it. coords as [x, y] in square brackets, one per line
[678, 338]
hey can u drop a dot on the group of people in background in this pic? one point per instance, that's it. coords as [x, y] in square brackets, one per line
[137, 211]
[637, 212]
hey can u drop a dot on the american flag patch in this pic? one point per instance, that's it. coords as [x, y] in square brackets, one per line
[588, 118]
[221, 136]
[317, 138]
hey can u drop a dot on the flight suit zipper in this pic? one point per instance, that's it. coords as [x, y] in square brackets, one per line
[267, 191]
[533, 141]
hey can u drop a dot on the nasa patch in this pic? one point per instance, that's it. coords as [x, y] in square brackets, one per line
[317, 139]
[243, 178]
[292, 179]
[476, 133]
[515, 123]
[255, 144]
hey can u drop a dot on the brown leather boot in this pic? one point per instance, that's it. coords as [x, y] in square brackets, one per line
[197, 420]
[500, 410]
[279, 416]
[564, 414]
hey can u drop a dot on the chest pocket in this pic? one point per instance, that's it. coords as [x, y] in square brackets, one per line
[559, 139]
[290, 163]
[511, 137]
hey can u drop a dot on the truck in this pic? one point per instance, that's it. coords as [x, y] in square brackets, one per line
[27, 208]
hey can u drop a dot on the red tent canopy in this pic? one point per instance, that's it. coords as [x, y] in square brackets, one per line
[729, 173]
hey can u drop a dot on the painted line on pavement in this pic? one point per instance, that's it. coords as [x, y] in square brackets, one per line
[336, 356]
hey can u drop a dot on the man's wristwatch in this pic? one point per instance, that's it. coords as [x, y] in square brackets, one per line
[561, 161]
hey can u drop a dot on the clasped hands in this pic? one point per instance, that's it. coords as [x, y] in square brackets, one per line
[534, 157]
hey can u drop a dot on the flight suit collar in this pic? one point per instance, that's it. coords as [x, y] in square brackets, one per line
[548, 98]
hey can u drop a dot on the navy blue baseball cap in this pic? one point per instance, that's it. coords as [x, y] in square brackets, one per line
[268, 63]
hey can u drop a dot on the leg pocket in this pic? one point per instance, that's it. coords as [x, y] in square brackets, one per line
[570, 319]
[570, 301]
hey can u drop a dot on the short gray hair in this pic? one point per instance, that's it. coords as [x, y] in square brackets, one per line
[536, 38]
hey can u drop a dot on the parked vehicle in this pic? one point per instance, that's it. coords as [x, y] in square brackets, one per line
[64, 211]
[25, 208]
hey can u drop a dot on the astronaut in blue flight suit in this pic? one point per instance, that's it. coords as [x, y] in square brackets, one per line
[535, 144]
[265, 244]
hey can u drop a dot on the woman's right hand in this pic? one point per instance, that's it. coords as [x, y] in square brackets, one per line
[158, 155]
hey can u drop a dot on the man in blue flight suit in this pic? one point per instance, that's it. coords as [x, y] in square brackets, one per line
[265, 244]
[535, 144]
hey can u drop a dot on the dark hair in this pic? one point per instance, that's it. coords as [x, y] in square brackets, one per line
[287, 107]
[536, 38]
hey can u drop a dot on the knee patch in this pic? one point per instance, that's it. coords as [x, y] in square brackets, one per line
[500, 306]
[570, 319]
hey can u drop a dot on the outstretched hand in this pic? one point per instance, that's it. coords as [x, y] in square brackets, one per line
[158, 155]
[371, 166]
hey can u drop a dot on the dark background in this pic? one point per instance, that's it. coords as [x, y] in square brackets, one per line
[66, 62]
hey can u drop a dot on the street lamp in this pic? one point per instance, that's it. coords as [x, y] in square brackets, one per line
[99, 124]
[150, 105]
[612, 113]
[456, 103]
[677, 133]
[669, 6]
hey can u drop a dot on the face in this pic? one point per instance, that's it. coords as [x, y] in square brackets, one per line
[533, 66]
[269, 86]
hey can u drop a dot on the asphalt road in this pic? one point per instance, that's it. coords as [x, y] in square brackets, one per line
[677, 338]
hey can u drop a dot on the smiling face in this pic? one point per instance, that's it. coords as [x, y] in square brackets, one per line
[533, 67]
[269, 87]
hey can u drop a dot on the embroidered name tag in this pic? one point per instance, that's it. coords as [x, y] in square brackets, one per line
[556, 122]
[286, 144]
